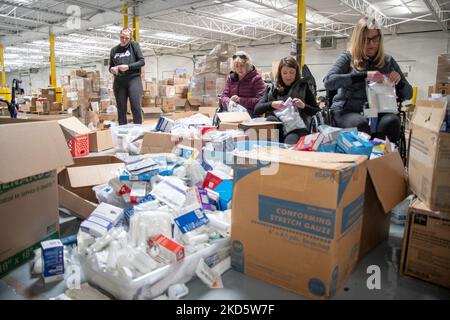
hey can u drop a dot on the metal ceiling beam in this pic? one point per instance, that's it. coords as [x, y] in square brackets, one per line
[209, 25]
[334, 27]
[33, 8]
[28, 20]
[437, 13]
[366, 8]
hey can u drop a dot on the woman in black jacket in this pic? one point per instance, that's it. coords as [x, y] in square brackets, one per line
[288, 85]
[126, 60]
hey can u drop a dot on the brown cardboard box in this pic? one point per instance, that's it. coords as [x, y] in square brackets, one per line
[42, 106]
[166, 91]
[381, 196]
[76, 182]
[108, 117]
[159, 142]
[28, 189]
[79, 73]
[181, 81]
[443, 88]
[429, 155]
[104, 104]
[72, 127]
[159, 101]
[55, 107]
[148, 102]
[182, 115]
[209, 111]
[151, 113]
[425, 251]
[168, 105]
[100, 140]
[297, 218]
[49, 94]
[223, 126]
[261, 130]
[443, 69]
[180, 104]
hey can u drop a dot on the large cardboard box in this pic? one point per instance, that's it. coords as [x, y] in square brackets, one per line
[426, 251]
[168, 105]
[180, 104]
[441, 88]
[159, 142]
[429, 155]
[166, 91]
[100, 140]
[151, 113]
[297, 218]
[76, 182]
[443, 69]
[386, 186]
[28, 189]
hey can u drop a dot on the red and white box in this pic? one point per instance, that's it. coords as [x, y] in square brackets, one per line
[311, 142]
[169, 249]
[214, 178]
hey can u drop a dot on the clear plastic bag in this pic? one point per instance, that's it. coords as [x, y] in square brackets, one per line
[235, 107]
[290, 117]
[381, 98]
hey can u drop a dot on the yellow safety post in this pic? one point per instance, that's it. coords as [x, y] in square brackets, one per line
[414, 97]
[301, 32]
[5, 92]
[58, 90]
[125, 15]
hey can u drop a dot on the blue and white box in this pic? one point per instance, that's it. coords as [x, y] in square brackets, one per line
[191, 219]
[52, 260]
[104, 217]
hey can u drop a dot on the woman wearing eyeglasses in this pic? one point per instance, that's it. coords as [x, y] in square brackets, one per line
[365, 59]
[244, 85]
[125, 62]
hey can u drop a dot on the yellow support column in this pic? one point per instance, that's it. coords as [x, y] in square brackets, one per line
[52, 60]
[414, 97]
[58, 90]
[301, 32]
[136, 27]
[5, 92]
[125, 15]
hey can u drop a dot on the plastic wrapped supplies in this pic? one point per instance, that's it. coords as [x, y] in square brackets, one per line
[381, 98]
[290, 117]
[235, 107]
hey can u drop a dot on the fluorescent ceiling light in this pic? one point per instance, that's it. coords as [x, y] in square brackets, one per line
[171, 36]
[242, 15]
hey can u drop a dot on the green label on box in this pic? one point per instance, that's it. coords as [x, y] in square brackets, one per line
[23, 256]
[5, 187]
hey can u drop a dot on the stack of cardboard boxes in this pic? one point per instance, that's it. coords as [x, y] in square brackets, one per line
[211, 73]
[426, 250]
[442, 85]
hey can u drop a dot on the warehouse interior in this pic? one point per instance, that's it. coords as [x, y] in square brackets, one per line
[369, 221]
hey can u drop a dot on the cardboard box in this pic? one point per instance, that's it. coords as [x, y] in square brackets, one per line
[100, 140]
[209, 111]
[108, 117]
[166, 91]
[180, 104]
[151, 113]
[104, 104]
[72, 127]
[52, 260]
[425, 251]
[28, 189]
[297, 218]
[261, 130]
[55, 107]
[223, 126]
[159, 142]
[49, 94]
[443, 69]
[167, 105]
[382, 194]
[76, 182]
[148, 102]
[442, 88]
[79, 73]
[429, 155]
[182, 115]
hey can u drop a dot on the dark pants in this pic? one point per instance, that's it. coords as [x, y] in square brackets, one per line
[124, 89]
[388, 124]
[292, 137]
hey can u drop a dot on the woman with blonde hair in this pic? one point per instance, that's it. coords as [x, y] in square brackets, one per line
[365, 59]
[244, 85]
[125, 62]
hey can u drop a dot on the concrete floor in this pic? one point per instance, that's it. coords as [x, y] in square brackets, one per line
[20, 284]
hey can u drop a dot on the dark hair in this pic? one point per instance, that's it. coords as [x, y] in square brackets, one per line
[289, 62]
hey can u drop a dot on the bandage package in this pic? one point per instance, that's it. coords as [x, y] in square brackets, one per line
[53, 260]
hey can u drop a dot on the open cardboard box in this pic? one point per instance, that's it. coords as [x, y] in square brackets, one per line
[429, 155]
[31, 154]
[76, 182]
[100, 140]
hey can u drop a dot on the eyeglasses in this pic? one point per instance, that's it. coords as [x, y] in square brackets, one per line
[242, 56]
[374, 40]
[125, 38]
